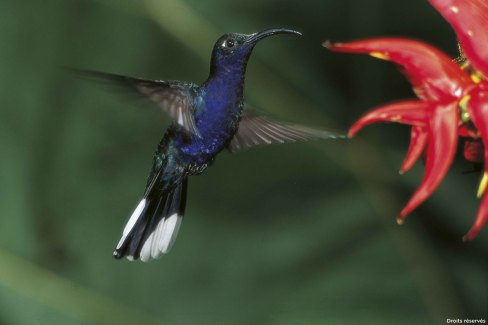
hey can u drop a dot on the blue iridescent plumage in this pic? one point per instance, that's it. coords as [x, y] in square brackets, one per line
[207, 119]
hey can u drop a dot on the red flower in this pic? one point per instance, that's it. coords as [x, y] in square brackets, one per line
[453, 99]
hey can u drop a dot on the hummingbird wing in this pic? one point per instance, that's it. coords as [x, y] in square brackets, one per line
[257, 130]
[173, 97]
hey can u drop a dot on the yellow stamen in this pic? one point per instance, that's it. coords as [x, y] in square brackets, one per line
[465, 118]
[483, 183]
[476, 78]
[379, 55]
[396, 118]
[454, 9]
[400, 221]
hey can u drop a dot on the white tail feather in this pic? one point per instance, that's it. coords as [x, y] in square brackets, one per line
[132, 221]
[161, 239]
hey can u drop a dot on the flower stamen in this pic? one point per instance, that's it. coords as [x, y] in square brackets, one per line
[483, 184]
[379, 55]
[476, 77]
[465, 118]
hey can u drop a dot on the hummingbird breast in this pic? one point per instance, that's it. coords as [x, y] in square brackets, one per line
[217, 121]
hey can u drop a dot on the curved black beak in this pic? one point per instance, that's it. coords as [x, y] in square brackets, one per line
[253, 38]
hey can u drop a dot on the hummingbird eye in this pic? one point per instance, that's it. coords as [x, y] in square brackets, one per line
[230, 43]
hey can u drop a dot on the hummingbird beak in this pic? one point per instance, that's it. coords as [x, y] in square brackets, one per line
[253, 38]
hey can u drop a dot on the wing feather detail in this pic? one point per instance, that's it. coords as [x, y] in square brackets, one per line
[173, 97]
[257, 130]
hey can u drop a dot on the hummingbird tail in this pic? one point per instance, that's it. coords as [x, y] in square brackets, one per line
[154, 224]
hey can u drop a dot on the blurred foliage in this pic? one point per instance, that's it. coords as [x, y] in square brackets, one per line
[295, 234]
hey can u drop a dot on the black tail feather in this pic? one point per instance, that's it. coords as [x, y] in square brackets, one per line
[157, 224]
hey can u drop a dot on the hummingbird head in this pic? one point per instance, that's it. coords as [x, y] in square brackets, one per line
[231, 51]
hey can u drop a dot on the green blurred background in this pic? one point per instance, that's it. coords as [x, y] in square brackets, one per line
[292, 234]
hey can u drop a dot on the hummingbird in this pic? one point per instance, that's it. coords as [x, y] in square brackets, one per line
[207, 118]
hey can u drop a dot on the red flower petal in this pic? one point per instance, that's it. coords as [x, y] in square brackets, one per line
[443, 140]
[474, 151]
[478, 110]
[469, 18]
[411, 112]
[433, 74]
[418, 141]
[480, 220]
[477, 107]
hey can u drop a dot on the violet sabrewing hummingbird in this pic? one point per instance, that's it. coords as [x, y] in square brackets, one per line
[207, 118]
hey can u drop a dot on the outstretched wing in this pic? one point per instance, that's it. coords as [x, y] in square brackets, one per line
[172, 97]
[259, 130]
